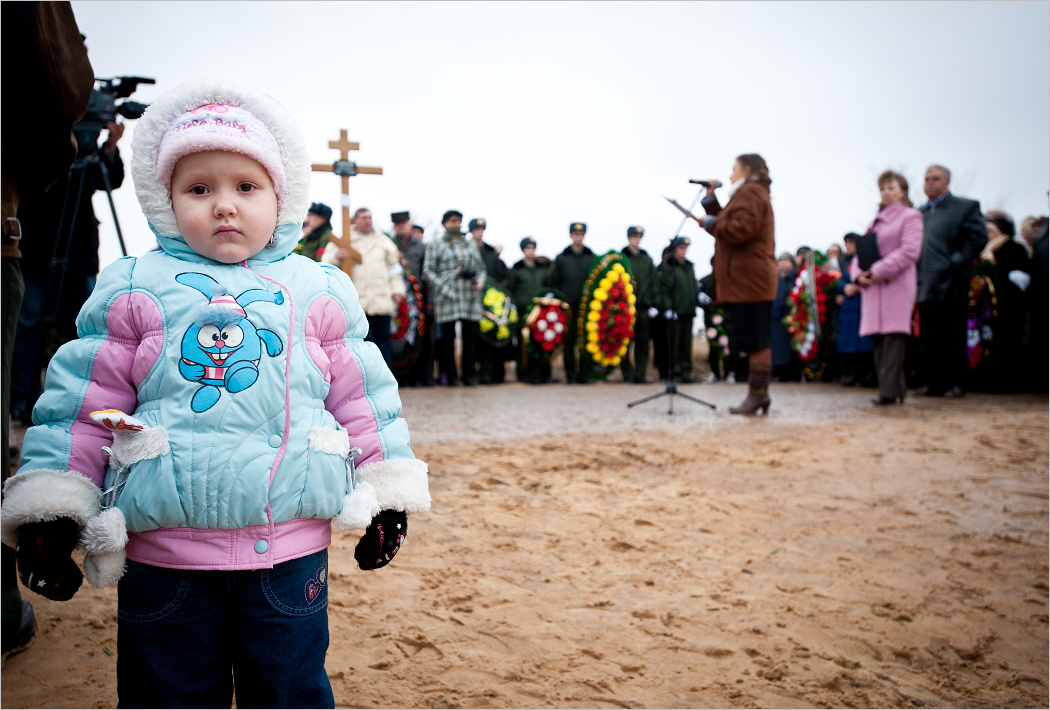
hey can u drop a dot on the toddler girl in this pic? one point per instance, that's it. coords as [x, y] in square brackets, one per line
[219, 409]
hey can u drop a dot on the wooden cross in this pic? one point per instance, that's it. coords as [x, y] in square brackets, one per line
[345, 169]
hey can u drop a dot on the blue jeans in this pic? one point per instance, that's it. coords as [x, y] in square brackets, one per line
[185, 637]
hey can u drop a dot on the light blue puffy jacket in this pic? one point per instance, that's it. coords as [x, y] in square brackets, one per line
[253, 383]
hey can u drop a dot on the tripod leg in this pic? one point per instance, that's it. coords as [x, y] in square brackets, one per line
[59, 265]
[698, 401]
[650, 398]
[112, 208]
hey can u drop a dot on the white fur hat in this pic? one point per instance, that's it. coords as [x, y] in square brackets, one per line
[221, 127]
[212, 115]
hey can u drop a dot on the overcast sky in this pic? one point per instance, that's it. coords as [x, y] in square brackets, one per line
[534, 115]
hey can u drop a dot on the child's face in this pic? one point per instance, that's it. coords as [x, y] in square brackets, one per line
[224, 204]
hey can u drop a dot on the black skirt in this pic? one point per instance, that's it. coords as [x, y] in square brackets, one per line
[749, 325]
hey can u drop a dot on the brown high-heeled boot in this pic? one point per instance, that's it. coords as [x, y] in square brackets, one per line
[757, 393]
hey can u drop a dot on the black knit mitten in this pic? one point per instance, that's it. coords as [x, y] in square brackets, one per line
[45, 562]
[382, 539]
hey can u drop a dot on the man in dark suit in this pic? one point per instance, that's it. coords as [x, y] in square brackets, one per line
[953, 236]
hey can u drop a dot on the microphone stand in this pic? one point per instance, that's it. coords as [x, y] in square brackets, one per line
[672, 387]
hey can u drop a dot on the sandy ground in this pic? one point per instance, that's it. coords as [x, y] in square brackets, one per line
[585, 554]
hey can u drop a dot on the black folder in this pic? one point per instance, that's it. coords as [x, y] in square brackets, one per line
[867, 250]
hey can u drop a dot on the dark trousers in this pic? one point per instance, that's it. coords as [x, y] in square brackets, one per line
[658, 330]
[942, 344]
[379, 333]
[889, 350]
[682, 349]
[572, 373]
[186, 637]
[491, 370]
[636, 363]
[24, 366]
[422, 372]
[447, 350]
[32, 339]
[12, 287]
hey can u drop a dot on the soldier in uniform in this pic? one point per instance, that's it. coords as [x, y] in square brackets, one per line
[494, 265]
[636, 363]
[317, 230]
[568, 275]
[676, 292]
[490, 358]
[525, 282]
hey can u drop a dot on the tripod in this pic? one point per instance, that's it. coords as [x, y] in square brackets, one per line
[672, 387]
[67, 223]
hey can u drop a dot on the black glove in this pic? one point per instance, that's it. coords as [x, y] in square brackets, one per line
[466, 273]
[382, 539]
[45, 562]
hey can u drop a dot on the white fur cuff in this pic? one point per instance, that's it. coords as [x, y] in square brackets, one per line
[42, 495]
[130, 446]
[400, 484]
[359, 508]
[329, 441]
[104, 569]
[104, 537]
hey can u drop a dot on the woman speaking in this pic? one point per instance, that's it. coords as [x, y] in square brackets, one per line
[745, 270]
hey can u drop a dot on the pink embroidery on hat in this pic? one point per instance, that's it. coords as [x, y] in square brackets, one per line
[216, 108]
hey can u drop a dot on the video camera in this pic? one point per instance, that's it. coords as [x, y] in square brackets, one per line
[103, 108]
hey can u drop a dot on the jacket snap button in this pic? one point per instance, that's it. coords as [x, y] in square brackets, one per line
[275, 441]
[261, 546]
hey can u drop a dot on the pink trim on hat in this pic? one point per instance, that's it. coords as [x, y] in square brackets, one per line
[226, 128]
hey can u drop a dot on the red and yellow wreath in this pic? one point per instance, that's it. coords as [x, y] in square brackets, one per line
[606, 319]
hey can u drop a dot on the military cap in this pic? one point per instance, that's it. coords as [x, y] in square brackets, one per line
[450, 214]
[321, 210]
[398, 217]
[679, 242]
[476, 223]
[632, 231]
[578, 227]
[419, 227]
[527, 241]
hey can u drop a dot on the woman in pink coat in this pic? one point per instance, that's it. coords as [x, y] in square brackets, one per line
[887, 289]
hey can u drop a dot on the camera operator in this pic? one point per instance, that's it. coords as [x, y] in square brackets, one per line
[456, 273]
[745, 269]
[41, 216]
[46, 69]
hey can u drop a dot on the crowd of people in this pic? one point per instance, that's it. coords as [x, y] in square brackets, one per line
[226, 400]
[955, 302]
[455, 268]
[939, 300]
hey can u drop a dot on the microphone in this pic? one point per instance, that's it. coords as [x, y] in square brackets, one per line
[706, 183]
